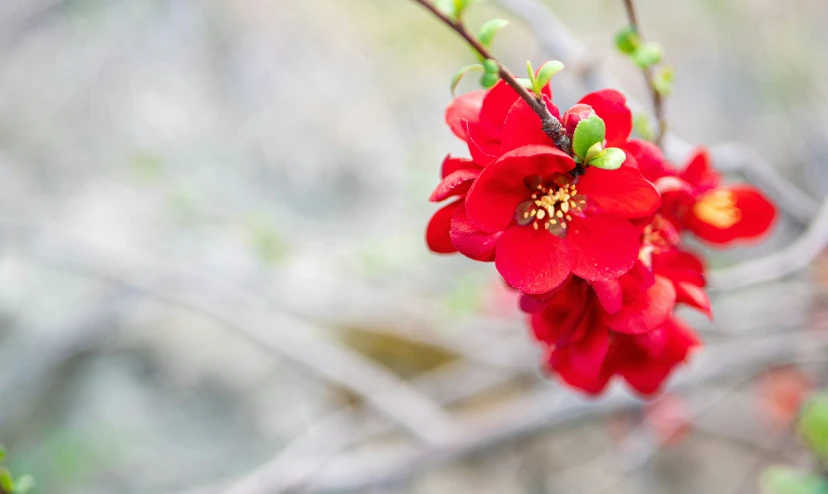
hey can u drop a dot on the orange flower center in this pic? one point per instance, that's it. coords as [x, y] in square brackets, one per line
[718, 208]
[550, 207]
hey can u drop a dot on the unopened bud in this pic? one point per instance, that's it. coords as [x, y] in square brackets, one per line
[574, 115]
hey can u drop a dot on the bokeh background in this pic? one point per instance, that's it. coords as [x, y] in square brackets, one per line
[213, 276]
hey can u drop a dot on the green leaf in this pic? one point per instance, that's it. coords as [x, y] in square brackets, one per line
[647, 55]
[2, 453]
[489, 29]
[594, 151]
[813, 425]
[448, 7]
[455, 79]
[627, 40]
[6, 481]
[641, 124]
[546, 72]
[524, 82]
[783, 480]
[663, 80]
[587, 133]
[530, 71]
[608, 159]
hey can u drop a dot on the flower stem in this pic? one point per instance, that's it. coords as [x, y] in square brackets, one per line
[658, 100]
[551, 126]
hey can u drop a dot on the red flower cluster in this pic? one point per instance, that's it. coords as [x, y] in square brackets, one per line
[595, 252]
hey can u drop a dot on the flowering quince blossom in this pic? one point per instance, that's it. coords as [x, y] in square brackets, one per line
[596, 253]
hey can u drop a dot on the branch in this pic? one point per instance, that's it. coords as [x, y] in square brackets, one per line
[551, 126]
[658, 101]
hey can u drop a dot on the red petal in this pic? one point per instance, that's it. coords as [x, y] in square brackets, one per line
[624, 192]
[437, 232]
[452, 164]
[603, 247]
[523, 126]
[560, 361]
[699, 172]
[609, 294]
[646, 374]
[757, 216]
[492, 200]
[496, 104]
[456, 184]
[612, 107]
[470, 241]
[694, 296]
[587, 356]
[644, 310]
[465, 107]
[650, 161]
[483, 148]
[533, 261]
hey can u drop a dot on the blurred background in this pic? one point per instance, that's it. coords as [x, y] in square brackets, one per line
[213, 276]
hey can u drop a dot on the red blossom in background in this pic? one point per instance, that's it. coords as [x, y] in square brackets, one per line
[596, 253]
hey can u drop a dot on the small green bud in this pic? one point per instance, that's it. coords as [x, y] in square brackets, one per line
[489, 79]
[627, 40]
[647, 55]
[663, 80]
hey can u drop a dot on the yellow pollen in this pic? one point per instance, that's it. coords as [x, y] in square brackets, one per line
[535, 225]
[563, 225]
[565, 207]
[553, 221]
[559, 214]
[718, 208]
[541, 214]
[568, 218]
[526, 214]
[550, 205]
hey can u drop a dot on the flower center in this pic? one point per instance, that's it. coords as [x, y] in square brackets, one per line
[718, 208]
[550, 206]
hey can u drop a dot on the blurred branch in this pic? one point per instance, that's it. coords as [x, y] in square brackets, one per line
[796, 256]
[542, 410]
[291, 338]
[551, 126]
[649, 77]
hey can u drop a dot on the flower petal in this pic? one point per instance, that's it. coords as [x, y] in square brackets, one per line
[699, 173]
[644, 310]
[437, 231]
[603, 247]
[612, 107]
[465, 107]
[523, 126]
[651, 161]
[694, 296]
[624, 192]
[483, 148]
[609, 294]
[470, 241]
[496, 104]
[532, 261]
[457, 183]
[452, 164]
[491, 201]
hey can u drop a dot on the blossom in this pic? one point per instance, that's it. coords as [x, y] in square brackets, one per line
[552, 223]
[586, 349]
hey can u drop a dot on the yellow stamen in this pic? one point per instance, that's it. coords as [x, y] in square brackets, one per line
[718, 208]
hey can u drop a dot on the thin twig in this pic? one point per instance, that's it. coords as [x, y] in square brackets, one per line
[649, 76]
[550, 125]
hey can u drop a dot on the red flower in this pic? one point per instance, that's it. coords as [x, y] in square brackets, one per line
[621, 327]
[715, 213]
[553, 224]
[686, 272]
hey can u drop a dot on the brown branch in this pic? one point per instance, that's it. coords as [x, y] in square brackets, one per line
[649, 76]
[550, 125]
